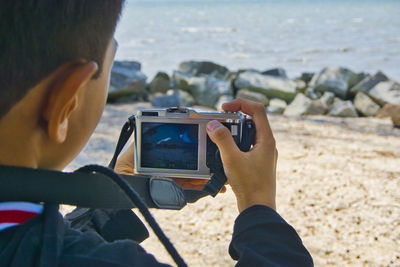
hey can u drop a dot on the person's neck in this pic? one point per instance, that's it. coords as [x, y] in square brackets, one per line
[20, 138]
[16, 149]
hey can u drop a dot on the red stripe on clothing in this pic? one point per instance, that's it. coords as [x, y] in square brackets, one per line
[16, 216]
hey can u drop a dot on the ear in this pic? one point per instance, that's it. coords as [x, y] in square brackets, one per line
[63, 96]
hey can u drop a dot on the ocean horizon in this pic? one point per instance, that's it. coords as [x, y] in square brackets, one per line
[299, 36]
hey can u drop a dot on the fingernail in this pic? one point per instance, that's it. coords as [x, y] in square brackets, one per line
[212, 125]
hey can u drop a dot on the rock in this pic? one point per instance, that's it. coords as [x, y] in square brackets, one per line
[205, 90]
[186, 98]
[299, 106]
[253, 96]
[125, 74]
[301, 86]
[276, 106]
[365, 105]
[201, 68]
[306, 77]
[277, 72]
[386, 92]
[396, 118]
[335, 80]
[271, 87]
[356, 79]
[310, 93]
[392, 111]
[160, 83]
[342, 108]
[173, 98]
[231, 75]
[317, 107]
[223, 99]
[208, 93]
[369, 82]
[322, 105]
[127, 81]
[327, 98]
[135, 93]
[385, 111]
[181, 80]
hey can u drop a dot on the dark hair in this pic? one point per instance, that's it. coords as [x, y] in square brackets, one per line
[37, 36]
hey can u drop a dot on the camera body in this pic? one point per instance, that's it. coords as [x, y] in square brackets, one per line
[173, 142]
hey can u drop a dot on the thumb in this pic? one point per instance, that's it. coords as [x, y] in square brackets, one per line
[222, 137]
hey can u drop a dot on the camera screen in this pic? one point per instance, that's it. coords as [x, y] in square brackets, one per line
[169, 145]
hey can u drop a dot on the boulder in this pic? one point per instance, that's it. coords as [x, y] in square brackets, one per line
[160, 83]
[201, 68]
[223, 99]
[253, 96]
[322, 105]
[335, 80]
[182, 80]
[327, 98]
[271, 87]
[127, 81]
[231, 75]
[356, 79]
[386, 111]
[276, 106]
[208, 93]
[365, 105]
[396, 117]
[298, 106]
[369, 82]
[173, 98]
[392, 111]
[301, 86]
[306, 77]
[205, 90]
[310, 93]
[317, 107]
[342, 108]
[277, 72]
[125, 74]
[386, 92]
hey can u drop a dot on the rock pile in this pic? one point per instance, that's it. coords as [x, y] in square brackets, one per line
[332, 91]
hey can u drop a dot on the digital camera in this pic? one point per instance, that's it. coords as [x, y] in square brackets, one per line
[173, 142]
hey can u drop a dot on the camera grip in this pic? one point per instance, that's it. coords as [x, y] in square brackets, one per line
[249, 133]
[218, 179]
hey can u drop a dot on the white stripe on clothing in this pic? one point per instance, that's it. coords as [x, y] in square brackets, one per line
[6, 225]
[20, 205]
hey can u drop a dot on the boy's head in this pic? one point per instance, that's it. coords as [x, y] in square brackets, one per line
[55, 61]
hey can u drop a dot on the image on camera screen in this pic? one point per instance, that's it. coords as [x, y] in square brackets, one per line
[169, 145]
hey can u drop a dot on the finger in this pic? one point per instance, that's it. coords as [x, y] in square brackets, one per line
[257, 112]
[127, 157]
[222, 137]
[223, 189]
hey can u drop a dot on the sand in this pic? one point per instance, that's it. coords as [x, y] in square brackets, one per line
[338, 185]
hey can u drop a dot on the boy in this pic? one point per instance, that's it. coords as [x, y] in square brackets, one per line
[55, 61]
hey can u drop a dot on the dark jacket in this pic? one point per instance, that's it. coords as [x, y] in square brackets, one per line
[260, 238]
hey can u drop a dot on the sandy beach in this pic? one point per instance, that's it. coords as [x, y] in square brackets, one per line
[338, 185]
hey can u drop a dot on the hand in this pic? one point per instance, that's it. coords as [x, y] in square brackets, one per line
[252, 175]
[125, 165]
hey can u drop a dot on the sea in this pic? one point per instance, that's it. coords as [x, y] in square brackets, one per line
[297, 35]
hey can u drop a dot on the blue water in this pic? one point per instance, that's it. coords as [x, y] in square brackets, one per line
[296, 35]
